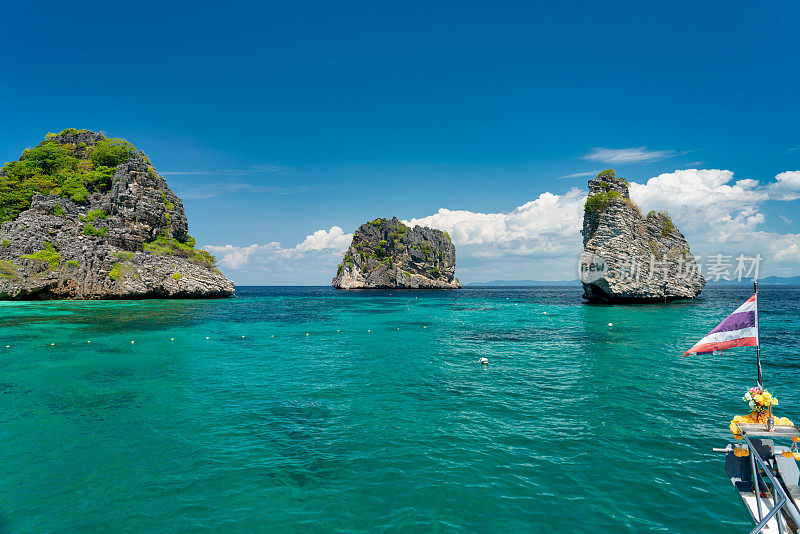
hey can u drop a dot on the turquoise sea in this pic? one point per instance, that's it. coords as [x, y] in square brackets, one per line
[312, 410]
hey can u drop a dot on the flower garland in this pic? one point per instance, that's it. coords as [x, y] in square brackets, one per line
[760, 402]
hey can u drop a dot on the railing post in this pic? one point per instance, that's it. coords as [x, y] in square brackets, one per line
[754, 476]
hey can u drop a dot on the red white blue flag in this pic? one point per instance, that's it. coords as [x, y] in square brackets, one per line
[740, 329]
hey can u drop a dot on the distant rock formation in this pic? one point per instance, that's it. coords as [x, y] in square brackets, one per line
[628, 257]
[85, 216]
[385, 253]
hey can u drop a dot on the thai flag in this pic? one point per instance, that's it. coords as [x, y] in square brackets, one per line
[740, 329]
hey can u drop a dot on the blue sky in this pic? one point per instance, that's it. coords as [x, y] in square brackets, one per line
[274, 120]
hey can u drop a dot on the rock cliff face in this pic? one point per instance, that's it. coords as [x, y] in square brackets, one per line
[631, 258]
[385, 253]
[88, 217]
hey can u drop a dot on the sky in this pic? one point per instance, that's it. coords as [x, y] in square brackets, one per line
[286, 125]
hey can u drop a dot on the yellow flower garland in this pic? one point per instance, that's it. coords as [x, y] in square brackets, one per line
[755, 418]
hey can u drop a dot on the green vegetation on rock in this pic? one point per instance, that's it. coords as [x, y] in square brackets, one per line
[94, 215]
[667, 226]
[59, 210]
[5, 243]
[124, 255]
[8, 270]
[89, 229]
[48, 255]
[599, 202]
[169, 246]
[176, 276]
[169, 205]
[72, 264]
[54, 168]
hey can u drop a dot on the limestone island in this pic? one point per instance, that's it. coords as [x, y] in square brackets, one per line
[387, 254]
[629, 257]
[85, 216]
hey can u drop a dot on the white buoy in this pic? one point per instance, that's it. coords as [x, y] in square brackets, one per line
[172, 339]
[208, 337]
[52, 344]
[424, 327]
[485, 361]
[544, 313]
[242, 337]
[306, 333]
[88, 341]
[369, 330]
[610, 324]
[133, 341]
[338, 330]
[8, 346]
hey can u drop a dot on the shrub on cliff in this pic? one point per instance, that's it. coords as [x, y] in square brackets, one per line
[53, 167]
[599, 202]
[169, 246]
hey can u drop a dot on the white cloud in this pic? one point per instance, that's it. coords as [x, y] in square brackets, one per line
[334, 239]
[786, 186]
[627, 155]
[702, 201]
[541, 239]
[312, 261]
[785, 220]
[546, 226]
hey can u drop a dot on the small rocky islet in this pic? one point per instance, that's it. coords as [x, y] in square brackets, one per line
[629, 257]
[387, 254]
[85, 216]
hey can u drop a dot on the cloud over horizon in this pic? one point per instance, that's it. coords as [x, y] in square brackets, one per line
[540, 239]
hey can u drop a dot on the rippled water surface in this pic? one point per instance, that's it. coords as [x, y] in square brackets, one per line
[310, 410]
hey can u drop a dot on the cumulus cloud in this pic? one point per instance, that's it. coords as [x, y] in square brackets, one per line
[540, 239]
[786, 186]
[627, 155]
[312, 259]
[542, 227]
[334, 239]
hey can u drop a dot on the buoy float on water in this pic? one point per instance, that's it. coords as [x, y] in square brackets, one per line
[132, 341]
[485, 361]
[610, 324]
[52, 344]
[207, 337]
[172, 339]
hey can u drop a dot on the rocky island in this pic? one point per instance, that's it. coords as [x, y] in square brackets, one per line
[85, 216]
[629, 257]
[385, 253]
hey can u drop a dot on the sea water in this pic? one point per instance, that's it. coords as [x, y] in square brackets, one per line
[315, 410]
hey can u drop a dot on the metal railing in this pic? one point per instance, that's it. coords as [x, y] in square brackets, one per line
[779, 497]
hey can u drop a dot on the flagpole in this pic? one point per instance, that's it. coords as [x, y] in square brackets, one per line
[758, 338]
